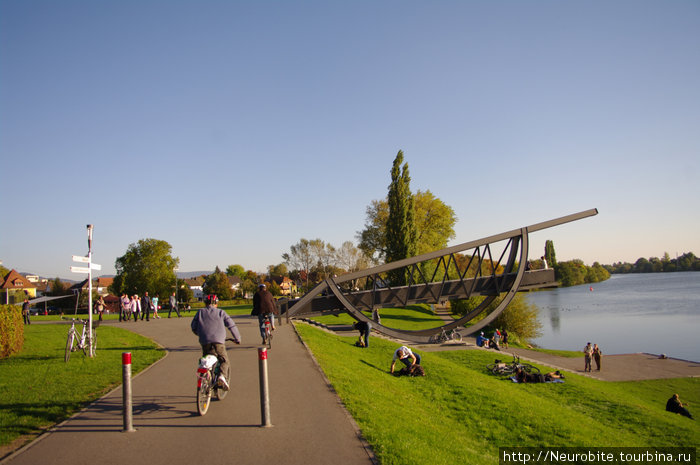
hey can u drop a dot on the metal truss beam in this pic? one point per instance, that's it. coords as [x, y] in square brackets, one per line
[491, 278]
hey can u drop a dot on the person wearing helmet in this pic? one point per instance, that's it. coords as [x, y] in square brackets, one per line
[481, 341]
[210, 325]
[264, 304]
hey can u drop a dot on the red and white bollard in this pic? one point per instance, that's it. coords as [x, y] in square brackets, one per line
[126, 392]
[264, 394]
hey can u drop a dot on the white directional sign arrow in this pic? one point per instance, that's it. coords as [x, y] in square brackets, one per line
[80, 269]
[80, 259]
[95, 266]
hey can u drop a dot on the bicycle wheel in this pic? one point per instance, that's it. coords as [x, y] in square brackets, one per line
[69, 345]
[456, 336]
[204, 396]
[219, 392]
[529, 368]
[269, 340]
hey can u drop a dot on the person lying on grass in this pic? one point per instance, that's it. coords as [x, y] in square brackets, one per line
[523, 377]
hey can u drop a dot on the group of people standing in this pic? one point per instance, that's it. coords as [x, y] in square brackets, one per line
[141, 307]
[591, 352]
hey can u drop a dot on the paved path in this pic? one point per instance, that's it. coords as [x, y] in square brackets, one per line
[310, 424]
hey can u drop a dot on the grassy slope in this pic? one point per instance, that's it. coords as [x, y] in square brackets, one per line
[459, 413]
[38, 389]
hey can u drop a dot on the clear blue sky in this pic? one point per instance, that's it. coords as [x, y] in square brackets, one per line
[233, 129]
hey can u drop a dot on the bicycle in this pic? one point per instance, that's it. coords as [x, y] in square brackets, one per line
[267, 331]
[77, 341]
[444, 336]
[208, 373]
[508, 369]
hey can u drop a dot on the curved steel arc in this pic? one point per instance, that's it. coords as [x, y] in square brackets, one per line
[424, 335]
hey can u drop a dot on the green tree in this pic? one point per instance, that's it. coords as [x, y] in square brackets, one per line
[571, 273]
[217, 283]
[277, 271]
[236, 270]
[519, 317]
[400, 226]
[549, 254]
[184, 293]
[146, 266]
[434, 223]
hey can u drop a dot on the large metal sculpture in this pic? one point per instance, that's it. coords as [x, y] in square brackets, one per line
[485, 273]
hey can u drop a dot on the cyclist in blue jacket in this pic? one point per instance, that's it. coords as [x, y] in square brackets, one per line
[210, 325]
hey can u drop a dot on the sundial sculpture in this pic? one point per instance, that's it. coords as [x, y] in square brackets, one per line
[487, 273]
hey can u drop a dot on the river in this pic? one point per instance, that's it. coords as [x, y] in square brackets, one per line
[657, 313]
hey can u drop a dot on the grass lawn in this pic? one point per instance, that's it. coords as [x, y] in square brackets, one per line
[413, 318]
[38, 389]
[460, 413]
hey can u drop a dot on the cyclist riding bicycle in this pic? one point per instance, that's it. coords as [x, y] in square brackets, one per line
[264, 305]
[210, 325]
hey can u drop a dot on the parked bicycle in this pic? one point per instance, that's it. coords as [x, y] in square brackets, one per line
[208, 381]
[444, 336]
[267, 331]
[81, 340]
[508, 369]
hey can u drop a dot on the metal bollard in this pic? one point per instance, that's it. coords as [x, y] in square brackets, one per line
[126, 392]
[264, 394]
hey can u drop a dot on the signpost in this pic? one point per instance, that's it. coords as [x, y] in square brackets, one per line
[87, 269]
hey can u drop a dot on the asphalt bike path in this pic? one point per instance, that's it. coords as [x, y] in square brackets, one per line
[310, 425]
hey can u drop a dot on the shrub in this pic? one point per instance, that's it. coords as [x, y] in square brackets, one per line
[11, 330]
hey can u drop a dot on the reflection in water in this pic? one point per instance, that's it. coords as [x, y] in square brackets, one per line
[554, 319]
[654, 313]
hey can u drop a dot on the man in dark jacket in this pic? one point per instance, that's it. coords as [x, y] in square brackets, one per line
[675, 405]
[264, 305]
[146, 307]
[210, 325]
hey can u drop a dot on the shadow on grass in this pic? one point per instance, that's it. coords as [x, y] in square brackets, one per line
[381, 370]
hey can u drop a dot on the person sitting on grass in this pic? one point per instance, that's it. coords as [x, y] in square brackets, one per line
[481, 341]
[675, 405]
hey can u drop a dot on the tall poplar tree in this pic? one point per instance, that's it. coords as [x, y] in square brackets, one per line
[400, 226]
[549, 253]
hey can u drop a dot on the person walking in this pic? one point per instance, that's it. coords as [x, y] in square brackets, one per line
[210, 324]
[264, 305]
[135, 307]
[154, 303]
[25, 312]
[146, 306]
[587, 353]
[100, 307]
[124, 308]
[173, 306]
[596, 356]
[504, 334]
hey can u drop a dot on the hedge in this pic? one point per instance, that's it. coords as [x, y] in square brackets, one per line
[11, 330]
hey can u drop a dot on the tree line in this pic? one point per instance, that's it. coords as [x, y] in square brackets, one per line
[686, 262]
